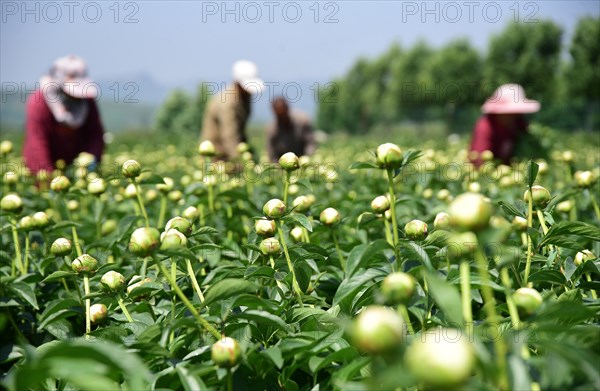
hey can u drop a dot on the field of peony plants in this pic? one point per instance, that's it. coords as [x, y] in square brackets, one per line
[381, 268]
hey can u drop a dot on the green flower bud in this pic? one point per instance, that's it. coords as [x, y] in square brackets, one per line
[167, 186]
[274, 208]
[397, 288]
[265, 227]
[442, 221]
[175, 195]
[519, 223]
[112, 281]
[191, 213]
[143, 241]
[226, 352]
[301, 204]
[60, 184]
[130, 191]
[541, 196]
[289, 161]
[98, 313]
[330, 216]
[180, 224]
[96, 186]
[474, 187]
[6, 147]
[584, 256]
[270, 246]
[416, 230]
[10, 177]
[568, 156]
[242, 147]
[11, 203]
[380, 204]
[61, 247]
[378, 330]
[527, 300]
[40, 219]
[297, 233]
[131, 169]
[72, 205]
[584, 178]
[84, 264]
[389, 155]
[470, 212]
[135, 282]
[172, 239]
[565, 206]
[461, 245]
[441, 358]
[206, 148]
[27, 223]
[108, 227]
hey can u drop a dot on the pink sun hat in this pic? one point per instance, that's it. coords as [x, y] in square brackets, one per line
[70, 73]
[510, 99]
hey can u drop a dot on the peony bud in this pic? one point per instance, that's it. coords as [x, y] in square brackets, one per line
[96, 186]
[135, 282]
[72, 205]
[527, 300]
[131, 169]
[519, 223]
[26, 223]
[389, 155]
[265, 227]
[6, 147]
[143, 241]
[270, 246]
[60, 184]
[167, 186]
[274, 208]
[289, 161]
[98, 313]
[378, 330]
[416, 230]
[175, 195]
[40, 219]
[380, 204]
[108, 227]
[11, 203]
[442, 221]
[301, 203]
[112, 281]
[172, 239]
[180, 224]
[84, 264]
[461, 245]
[206, 148]
[565, 206]
[584, 256]
[297, 233]
[226, 352]
[61, 247]
[470, 212]
[10, 177]
[541, 196]
[441, 358]
[191, 213]
[131, 191]
[330, 216]
[584, 178]
[397, 288]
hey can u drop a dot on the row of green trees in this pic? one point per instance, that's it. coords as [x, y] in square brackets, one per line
[422, 84]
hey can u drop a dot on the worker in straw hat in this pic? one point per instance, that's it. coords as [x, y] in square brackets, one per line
[226, 114]
[61, 117]
[502, 123]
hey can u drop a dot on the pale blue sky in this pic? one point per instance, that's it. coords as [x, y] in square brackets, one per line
[181, 42]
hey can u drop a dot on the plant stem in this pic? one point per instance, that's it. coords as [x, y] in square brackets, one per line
[76, 242]
[144, 268]
[592, 290]
[229, 380]
[465, 288]
[339, 251]
[594, 204]
[207, 326]
[211, 202]
[540, 216]
[286, 185]
[17, 260]
[86, 290]
[124, 309]
[195, 284]
[295, 285]
[529, 242]
[404, 314]
[492, 318]
[390, 175]
[163, 210]
[141, 202]
[512, 308]
[388, 233]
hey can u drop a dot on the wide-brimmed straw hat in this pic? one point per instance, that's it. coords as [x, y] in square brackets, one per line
[510, 99]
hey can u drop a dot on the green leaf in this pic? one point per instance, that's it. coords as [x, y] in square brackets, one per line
[180, 252]
[227, 288]
[152, 180]
[447, 299]
[365, 255]
[299, 219]
[58, 275]
[349, 287]
[264, 318]
[556, 234]
[548, 276]
[205, 231]
[66, 224]
[362, 165]
[532, 172]
[510, 210]
[58, 309]
[274, 354]
[25, 292]
[189, 382]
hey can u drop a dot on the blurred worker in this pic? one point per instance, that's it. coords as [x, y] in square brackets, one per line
[61, 117]
[227, 113]
[502, 123]
[292, 131]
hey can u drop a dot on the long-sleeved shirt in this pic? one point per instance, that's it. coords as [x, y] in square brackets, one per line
[490, 134]
[298, 137]
[46, 140]
[224, 122]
